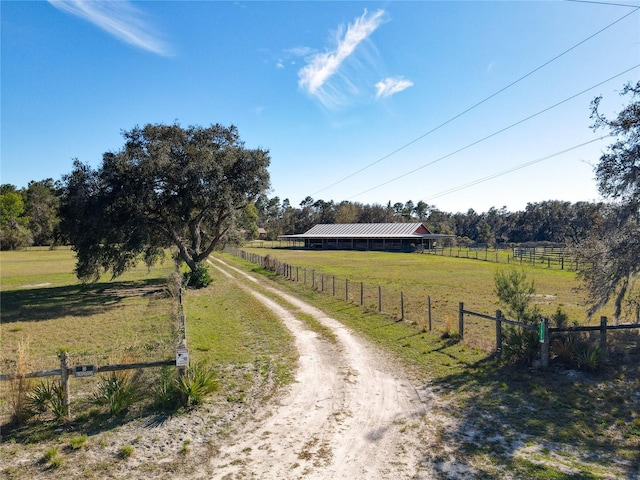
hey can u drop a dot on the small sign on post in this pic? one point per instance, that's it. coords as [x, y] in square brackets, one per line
[182, 357]
[84, 370]
[541, 331]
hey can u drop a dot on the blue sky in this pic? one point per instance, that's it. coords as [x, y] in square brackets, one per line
[459, 104]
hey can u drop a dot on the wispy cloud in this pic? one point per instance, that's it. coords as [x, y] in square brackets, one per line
[120, 19]
[389, 86]
[321, 67]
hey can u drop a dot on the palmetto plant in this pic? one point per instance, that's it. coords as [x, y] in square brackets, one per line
[197, 382]
[118, 391]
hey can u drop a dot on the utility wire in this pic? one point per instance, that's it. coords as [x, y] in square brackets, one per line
[604, 3]
[505, 172]
[475, 105]
[495, 133]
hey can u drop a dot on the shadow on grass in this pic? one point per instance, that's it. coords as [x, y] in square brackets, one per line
[38, 304]
[554, 423]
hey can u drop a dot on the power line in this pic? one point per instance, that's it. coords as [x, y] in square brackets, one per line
[496, 133]
[604, 3]
[475, 105]
[505, 172]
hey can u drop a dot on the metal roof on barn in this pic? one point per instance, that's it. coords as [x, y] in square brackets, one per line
[367, 230]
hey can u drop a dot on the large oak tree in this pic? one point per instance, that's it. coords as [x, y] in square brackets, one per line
[168, 186]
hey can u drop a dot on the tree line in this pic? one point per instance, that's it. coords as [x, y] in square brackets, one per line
[31, 217]
[552, 221]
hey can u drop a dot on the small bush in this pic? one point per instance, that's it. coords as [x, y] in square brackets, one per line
[197, 382]
[166, 395]
[270, 263]
[589, 357]
[577, 351]
[520, 345]
[198, 278]
[40, 396]
[58, 407]
[48, 396]
[118, 391]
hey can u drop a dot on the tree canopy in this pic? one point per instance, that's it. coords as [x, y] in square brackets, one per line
[611, 253]
[168, 186]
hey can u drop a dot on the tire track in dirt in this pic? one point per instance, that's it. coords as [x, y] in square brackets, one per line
[347, 415]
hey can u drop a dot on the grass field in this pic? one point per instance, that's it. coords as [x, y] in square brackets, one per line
[446, 280]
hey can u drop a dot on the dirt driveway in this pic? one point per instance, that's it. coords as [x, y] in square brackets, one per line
[350, 414]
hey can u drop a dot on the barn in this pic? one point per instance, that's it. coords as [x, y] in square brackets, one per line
[399, 237]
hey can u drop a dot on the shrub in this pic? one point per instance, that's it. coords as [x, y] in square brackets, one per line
[166, 395]
[118, 391]
[270, 263]
[514, 294]
[40, 396]
[577, 351]
[520, 344]
[48, 396]
[197, 382]
[588, 357]
[198, 278]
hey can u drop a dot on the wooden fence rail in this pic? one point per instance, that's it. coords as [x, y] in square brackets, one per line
[545, 331]
[66, 371]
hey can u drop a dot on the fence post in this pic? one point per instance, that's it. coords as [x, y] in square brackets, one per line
[379, 298]
[429, 311]
[544, 339]
[322, 283]
[603, 336]
[401, 305]
[461, 320]
[498, 332]
[333, 285]
[361, 293]
[64, 383]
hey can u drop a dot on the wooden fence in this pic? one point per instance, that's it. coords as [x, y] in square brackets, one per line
[545, 332]
[66, 371]
[546, 258]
